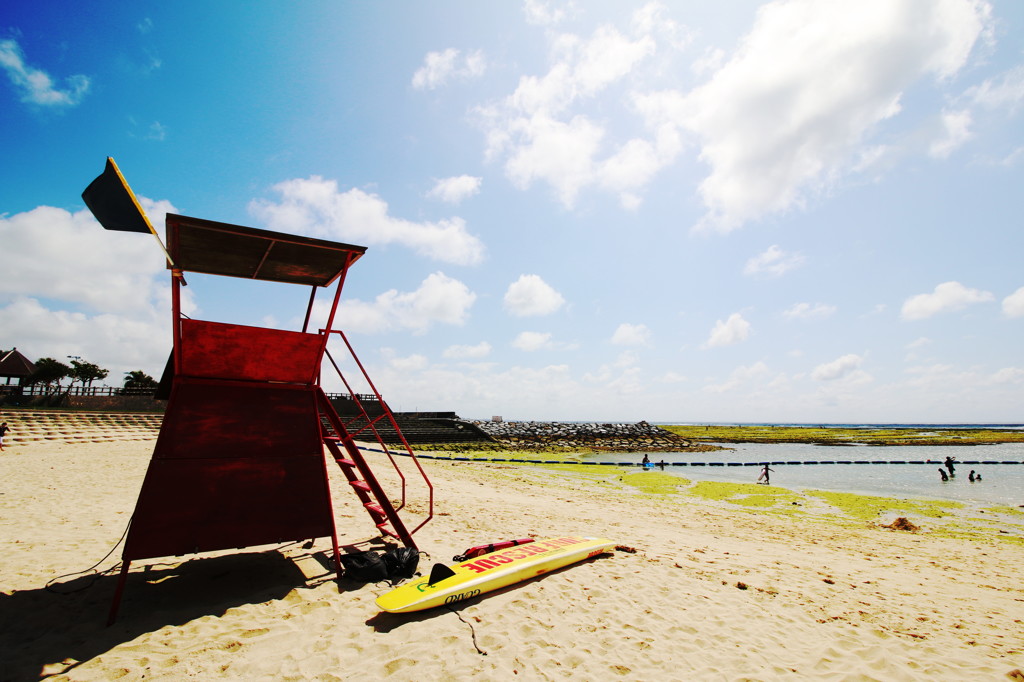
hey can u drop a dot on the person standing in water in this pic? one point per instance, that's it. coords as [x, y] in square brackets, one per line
[949, 465]
[943, 474]
[764, 475]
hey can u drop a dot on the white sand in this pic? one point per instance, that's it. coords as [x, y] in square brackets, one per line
[824, 600]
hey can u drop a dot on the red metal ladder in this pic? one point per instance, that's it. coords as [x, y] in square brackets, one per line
[361, 478]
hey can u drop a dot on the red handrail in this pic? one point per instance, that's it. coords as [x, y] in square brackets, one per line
[371, 425]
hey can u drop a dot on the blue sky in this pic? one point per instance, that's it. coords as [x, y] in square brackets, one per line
[672, 211]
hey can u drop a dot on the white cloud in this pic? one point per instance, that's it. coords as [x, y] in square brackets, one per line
[1004, 92]
[773, 261]
[790, 112]
[313, 206]
[806, 311]
[914, 346]
[103, 270]
[711, 61]
[622, 376]
[531, 296]
[532, 341]
[114, 341]
[462, 352]
[439, 299]
[728, 333]
[739, 376]
[1013, 305]
[36, 86]
[157, 131]
[541, 133]
[72, 288]
[1009, 375]
[454, 189]
[542, 13]
[404, 363]
[956, 127]
[947, 297]
[439, 67]
[631, 335]
[838, 368]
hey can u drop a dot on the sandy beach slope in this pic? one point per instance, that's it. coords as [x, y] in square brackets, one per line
[712, 592]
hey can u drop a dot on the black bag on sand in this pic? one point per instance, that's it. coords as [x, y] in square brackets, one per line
[364, 567]
[401, 562]
[372, 567]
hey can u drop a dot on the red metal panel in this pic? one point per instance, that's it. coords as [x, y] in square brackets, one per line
[191, 506]
[209, 420]
[235, 465]
[231, 351]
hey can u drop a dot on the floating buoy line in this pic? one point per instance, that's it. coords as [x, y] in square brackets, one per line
[508, 460]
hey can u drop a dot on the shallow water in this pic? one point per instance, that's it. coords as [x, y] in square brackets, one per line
[1001, 483]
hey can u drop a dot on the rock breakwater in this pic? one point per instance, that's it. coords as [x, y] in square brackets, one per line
[621, 437]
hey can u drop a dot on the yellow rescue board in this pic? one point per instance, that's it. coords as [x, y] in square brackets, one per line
[493, 571]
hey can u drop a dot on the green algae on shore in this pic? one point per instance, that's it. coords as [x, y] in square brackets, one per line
[870, 507]
[845, 436]
[1005, 509]
[654, 483]
[743, 494]
[946, 519]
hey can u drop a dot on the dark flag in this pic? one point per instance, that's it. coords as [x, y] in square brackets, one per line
[114, 204]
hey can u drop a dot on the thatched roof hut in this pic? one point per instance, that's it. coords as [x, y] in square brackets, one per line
[14, 365]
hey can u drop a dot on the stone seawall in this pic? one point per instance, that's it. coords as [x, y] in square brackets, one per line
[637, 437]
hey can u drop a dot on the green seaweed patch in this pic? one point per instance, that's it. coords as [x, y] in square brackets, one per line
[1005, 509]
[583, 470]
[974, 533]
[766, 501]
[869, 507]
[746, 494]
[720, 490]
[842, 436]
[654, 483]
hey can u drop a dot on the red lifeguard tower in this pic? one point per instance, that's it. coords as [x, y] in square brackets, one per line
[241, 458]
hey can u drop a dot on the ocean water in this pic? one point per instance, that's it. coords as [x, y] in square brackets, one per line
[865, 469]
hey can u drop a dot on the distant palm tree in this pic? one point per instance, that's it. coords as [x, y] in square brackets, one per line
[138, 381]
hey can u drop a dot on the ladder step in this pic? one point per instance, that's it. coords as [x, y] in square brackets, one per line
[375, 510]
[361, 485]
[345, 462]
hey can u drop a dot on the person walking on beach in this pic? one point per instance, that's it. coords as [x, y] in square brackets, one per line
[764, 475]
[3, 432]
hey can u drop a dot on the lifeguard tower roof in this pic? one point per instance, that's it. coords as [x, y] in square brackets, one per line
[209, 247]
